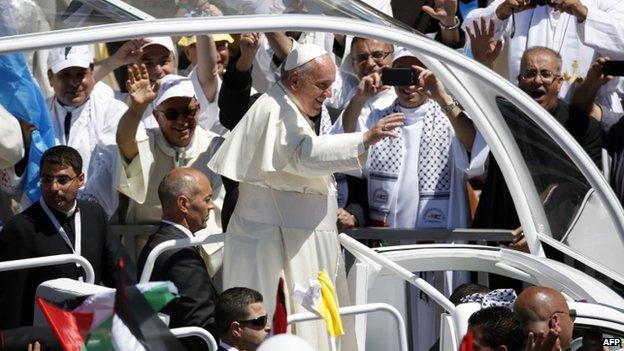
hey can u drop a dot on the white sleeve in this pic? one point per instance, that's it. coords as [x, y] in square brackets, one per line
[11, 144]
[489, 12]
[603, 29]
[318, 156]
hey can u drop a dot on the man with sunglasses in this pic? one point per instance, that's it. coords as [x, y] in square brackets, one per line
[242, 320]
[148, 154]
[57, 224]
[545, 318]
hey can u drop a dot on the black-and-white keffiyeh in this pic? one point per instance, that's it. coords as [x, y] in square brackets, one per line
[495, 298]
[385, 162]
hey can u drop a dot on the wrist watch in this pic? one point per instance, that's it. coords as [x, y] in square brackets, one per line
[448, 108]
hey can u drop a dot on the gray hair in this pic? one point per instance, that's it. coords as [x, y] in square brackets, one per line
[302, 70]
[541, 49]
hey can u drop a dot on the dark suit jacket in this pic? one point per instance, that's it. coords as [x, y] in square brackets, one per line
[187, 270]
[32, 234]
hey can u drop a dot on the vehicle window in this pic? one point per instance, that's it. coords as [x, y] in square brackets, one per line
[561, 186]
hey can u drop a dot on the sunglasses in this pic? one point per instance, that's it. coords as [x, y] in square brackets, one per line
[572, 314]
[172, 115]
[259, 322]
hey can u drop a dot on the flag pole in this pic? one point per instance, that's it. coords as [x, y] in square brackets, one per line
[333, 343]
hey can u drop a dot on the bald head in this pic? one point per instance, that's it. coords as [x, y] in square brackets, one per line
[540, 309]
[180, 181]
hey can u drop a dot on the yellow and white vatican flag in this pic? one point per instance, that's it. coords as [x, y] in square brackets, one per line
[320, 298]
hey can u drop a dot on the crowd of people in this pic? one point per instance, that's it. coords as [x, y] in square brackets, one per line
[281, 140]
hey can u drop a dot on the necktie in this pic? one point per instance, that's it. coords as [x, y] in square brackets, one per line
[67, 125]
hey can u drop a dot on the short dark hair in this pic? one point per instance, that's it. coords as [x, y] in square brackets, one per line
[467, 289]
[499, 326]
[63, 155]
[233, 305]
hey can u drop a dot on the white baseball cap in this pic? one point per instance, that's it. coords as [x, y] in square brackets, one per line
[302, 54]
[165, 42]
[400, 52]
[70, 56]
[173, 85]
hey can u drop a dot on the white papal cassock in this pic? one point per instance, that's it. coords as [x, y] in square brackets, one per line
[284, 223]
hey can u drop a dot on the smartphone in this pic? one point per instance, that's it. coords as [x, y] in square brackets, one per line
[398, 76]
[540, 2]
[613, 68]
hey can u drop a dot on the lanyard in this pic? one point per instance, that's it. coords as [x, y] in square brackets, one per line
[60, 229]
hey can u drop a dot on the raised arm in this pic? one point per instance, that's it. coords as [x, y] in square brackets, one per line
[368, 87]
[280, 43]
[485, 48]
[207, 66]
[462, 125]
[445, 12]
[130, 52]
[141, 94]
[585, 93]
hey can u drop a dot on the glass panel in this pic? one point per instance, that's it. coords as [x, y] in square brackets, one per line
[560, 184]
[33, 16]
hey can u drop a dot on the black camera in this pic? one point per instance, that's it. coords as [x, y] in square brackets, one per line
[540, 2]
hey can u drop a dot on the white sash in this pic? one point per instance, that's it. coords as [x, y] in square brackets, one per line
[77, 231]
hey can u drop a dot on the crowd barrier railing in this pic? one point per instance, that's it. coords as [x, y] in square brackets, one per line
[51, 261]
[362, 309]
[202, 333]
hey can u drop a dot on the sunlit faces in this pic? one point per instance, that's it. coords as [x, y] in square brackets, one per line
[312, 85]
[199, 207]
[539, 78]
[409, 96]
[179, 130]
[72, 85]
[251, 335]
[59, 185]
[159, 61]
[369, 56]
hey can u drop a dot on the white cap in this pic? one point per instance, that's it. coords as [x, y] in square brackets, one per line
[71, 56]
[302, 54]
[400, 52]
[165, 42]
[173, 85]
[285, 342]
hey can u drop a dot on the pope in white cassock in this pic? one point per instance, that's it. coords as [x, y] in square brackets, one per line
[284, 224]
[579, 30]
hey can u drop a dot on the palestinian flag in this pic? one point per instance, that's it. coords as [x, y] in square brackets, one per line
[123, 319]
[280, 317]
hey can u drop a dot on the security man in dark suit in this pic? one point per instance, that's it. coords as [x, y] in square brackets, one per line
[56, 224]
[186, 198]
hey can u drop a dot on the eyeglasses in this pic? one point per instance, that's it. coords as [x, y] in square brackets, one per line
[531, 74]
[259, 322]
[172, 115]
[62, 180]
[571, 313]
[377, 56]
